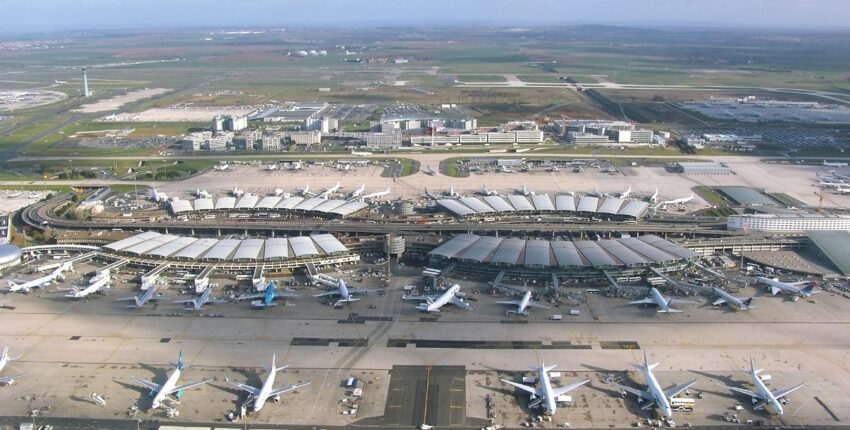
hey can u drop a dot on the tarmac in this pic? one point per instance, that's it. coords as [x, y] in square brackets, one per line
[73, 348]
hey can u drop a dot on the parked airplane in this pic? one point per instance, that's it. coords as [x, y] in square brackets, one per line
[4, 360]
[656, 298]
[376, 194]
[430, 171]
[834, 164]
[762, 397]
[162, 393]
[546, 393]
[676, 201]
[306, 191]
[328, 191]
[625, 195]
[267, 297]
[262, 394]
[41, 282]
[203, 194]
[236, 192]
[596, 193]
[141, 300]
[358, 192]
[525, 191]
[433, 303]
[96, 285]
[654, 395]
[522, 305]
[271, 167]
[654, 198]
[792, 288]
[554, 169]
[345, 294]
[199, 302]
[58, 82]
[741, 304]
[158, 196]
[222, 167]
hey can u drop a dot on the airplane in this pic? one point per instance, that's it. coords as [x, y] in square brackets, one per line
[41, 282]
[654, 395]
[452, 192]
[525, 191]
[298, 165]
[157, 196]
[361, 153]
[792, 288]
[654, 198]
[162, 393]
[546, 393]
[741, 304]
[841, 177]
[522, 304]
[236, 192]
[203, 194]
[503, 169]
[430, 171]
[376, 194]
[596, 193]
[199, 302]
[656, 298]
[4, 360]
[842, 190]
[762, 397]
[141, 300]
[433, 303]
[834, 164]
[554, 169]
[676, 201]
[626, 194]
[485, 192]
[267, 297]
[346, 295]
[271, 167]
[306, 191]
[222, 167]
[358, 192]
[325, 194]
[58, 82]
[262, 394]
[96, 285]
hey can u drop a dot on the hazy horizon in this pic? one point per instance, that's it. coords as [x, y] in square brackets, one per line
[65, 15]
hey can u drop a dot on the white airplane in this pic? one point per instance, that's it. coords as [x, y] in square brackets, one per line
[433, 303]
[841, 190]
[654, 395]
[58, 82]
[503, 169]
[236, 192]
[346, 295]
[762, 397]
[358, 192]
[487, 192]
[222, 167]
[325, 194]
[626, 194]
[262, 394]
[452, 192]
[162, 393]
[4, 360]
[554, 169]
[792, 288]
[676, 201]
[361, 153]
[271, 167]
[306, 191]
[430, 171]
[596, 193]
[41, 282]
[656, 298]
[202, 193]
[741, 304]
[827, 184]
[834, 164]
[157, 196]
[546, 392]
[525, 191]
[522, 305]
[377, 194]
[654, 198]
[199, 302]
[141, 300]
[96, 285]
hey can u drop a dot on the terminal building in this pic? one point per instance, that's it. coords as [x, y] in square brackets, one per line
[582, 260]
[701, 168]
[268, 205]
[787, 223]
[543, 204]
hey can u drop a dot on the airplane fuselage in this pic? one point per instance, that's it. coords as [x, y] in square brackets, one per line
[771, 403]
[523, 304]
[657, 393]
[781, 286]
[444, 299]
[166, 388]
[267, 388]
[546, 386]
[659, 299]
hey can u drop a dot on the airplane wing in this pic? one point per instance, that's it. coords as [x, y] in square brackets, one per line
[682, 302]
[286, 294]
[458, 302]
[719, 301]
[782, 393]
[362, 291]
[557, 391]
[674, 391]
[250, 296]
[251, 390]
[214, 300]
[185, 301]
[148, 384]
[11, 378]
[646, 301]
[287, 388]
[537, 305]
[509, 302]
[189, 385]
[635, 391]
[328, 293]
[774, 290]
[743, 391]
[527, 388]
[420, 298]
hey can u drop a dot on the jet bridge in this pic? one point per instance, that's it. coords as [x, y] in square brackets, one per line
[114, 265]
[695, 289]
[436, 276]
[150, 278]
[202, 281]
[54, 266]
[613, 282]
[258, 281]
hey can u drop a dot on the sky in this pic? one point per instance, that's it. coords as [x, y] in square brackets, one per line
[28, 16]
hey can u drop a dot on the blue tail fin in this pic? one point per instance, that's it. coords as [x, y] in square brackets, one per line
[180, 361]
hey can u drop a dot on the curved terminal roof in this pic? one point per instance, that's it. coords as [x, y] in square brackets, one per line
[225, 203]
[248, 201]
[253, 202]
[196, 249]
[276, 249]
[172, 247]
[222, 250]
[603, 254]
[303, 246]
[147, 245]
[180, 206]
[328, 243]
[204, 204]
[268, 202]
[249, 249]
[473, 206]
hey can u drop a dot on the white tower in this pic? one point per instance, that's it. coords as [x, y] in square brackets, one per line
[86, 92]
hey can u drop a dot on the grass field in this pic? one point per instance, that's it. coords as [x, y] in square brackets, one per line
[712, 197]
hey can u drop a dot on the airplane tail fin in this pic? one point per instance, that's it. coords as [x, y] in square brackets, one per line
[5, 353]
[748, 301]
[753, 367]
[180, 360]
[646, 363]
[810, 287]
